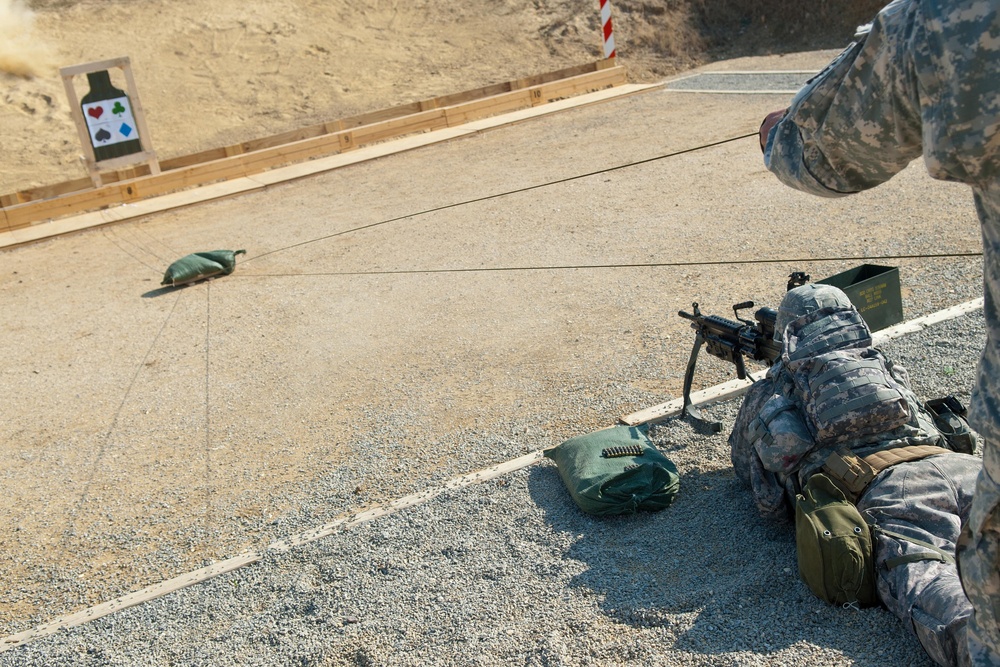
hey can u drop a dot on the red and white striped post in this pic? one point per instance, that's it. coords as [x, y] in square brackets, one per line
[609, 36]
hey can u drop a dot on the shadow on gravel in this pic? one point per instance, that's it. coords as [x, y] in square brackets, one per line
[711, 575]
[158, 292]
[169, 289]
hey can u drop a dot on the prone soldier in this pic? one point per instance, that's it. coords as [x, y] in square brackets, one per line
[884, 450]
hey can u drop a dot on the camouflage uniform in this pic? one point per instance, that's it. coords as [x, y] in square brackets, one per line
[927, 500]
[924, 80]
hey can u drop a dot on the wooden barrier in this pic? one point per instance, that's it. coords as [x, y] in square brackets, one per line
[27, 207]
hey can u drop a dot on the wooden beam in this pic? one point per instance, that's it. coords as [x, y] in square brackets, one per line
[44, 192]
[96, 66]
[584, 83]
[146, 205]
[491, 106]
[446, 101]
[253, 157]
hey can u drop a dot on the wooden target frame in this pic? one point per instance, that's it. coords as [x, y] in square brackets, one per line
[95, 167]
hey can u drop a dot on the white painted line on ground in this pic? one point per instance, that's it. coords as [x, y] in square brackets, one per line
[717, 91]
[222, 567]
[735, 388]
[130, 600]
[762, 72]
[715, 394]
[668, 85]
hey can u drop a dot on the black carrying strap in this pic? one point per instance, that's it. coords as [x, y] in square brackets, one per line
[934, 554]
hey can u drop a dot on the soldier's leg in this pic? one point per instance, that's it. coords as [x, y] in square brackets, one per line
[979, 560]
[925, 500]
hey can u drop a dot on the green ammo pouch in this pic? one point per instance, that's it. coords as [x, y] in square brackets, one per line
[834, 545]
[616, 471]
[200, 265]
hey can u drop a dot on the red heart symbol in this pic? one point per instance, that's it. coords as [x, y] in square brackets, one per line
[95, 111]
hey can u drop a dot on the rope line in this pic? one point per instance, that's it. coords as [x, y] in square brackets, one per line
[636, 265]
[115, 241]
[208, 407]
[142, 228]
[114, 421]
[498, 195]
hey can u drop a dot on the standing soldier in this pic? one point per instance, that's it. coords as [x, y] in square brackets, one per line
[923, 79]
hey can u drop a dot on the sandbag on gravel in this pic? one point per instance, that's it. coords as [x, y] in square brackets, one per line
[199, 265]
[616, 471]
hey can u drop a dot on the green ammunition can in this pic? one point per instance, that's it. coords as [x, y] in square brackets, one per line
[874, 291]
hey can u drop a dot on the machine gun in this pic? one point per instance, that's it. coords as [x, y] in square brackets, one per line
[730, 341]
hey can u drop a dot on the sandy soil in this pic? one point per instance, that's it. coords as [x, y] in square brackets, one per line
[239, 71]
[150, 431]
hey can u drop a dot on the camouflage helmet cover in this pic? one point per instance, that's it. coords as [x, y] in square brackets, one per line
[806, 299]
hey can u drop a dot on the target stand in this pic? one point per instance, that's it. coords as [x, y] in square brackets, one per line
[111, 123]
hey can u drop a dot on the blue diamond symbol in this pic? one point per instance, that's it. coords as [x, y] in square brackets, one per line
[125, 130]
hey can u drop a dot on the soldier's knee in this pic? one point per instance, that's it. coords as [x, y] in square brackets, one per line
[939, 618]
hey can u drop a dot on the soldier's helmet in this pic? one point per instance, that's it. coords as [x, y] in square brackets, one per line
[804, 300]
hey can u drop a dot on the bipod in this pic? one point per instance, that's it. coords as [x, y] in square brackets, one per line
[690, 410]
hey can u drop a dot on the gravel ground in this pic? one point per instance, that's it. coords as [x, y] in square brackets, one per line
[150, 432]
[741, 82]
[511, 572]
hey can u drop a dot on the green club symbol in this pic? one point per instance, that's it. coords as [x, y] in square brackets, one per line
[118, 109]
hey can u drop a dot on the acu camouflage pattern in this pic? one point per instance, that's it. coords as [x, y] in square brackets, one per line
[770, 437]
[806, 299]
[842, 383]
[773, 491]
[772, 446]
[925, 500]
[775, 453]
[924, 80]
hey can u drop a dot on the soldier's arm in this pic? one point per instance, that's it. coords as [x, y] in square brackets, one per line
[857, 123]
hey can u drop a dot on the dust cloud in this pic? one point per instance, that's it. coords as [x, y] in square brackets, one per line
[22, 52]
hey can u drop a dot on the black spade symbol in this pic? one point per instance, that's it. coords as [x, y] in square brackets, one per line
[102, 135]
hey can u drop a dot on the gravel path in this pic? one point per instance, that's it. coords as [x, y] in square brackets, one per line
[510, 572]
[742, 82]
[149, 433]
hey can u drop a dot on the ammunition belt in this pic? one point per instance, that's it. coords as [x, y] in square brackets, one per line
[622, 450]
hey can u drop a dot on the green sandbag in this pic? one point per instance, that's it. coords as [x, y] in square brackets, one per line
[616, 471]
[200, 265]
